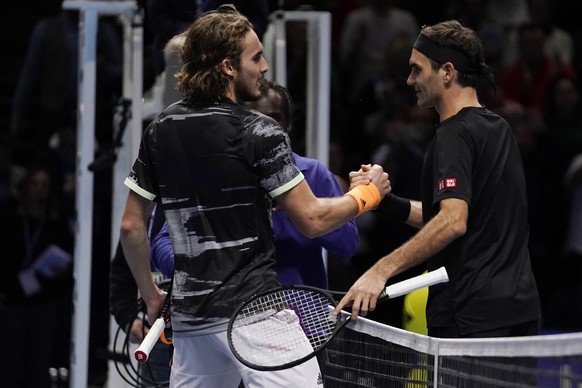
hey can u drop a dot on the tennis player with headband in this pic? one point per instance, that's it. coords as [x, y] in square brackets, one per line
[473, 213]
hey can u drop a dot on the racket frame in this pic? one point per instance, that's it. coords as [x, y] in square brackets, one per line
[395, 290]
[341, 321]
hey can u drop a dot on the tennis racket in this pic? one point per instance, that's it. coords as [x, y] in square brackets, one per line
[284, 327]
[156, 331]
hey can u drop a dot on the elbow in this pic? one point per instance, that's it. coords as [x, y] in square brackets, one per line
[312, 228]
[458, 228]
[127, 229]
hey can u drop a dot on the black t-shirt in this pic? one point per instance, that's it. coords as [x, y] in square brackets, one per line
[474, 157]
[213, 166]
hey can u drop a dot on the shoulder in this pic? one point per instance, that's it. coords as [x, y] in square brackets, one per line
[472, 124]
[258, 123]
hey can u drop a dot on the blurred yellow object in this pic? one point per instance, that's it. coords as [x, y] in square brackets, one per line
[417, 378]
[414, 311]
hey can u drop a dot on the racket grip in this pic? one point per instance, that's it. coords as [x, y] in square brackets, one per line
[427, 279]
[143, 351]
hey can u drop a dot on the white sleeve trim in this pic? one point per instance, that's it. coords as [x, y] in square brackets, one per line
[134, 187]
[287, 186]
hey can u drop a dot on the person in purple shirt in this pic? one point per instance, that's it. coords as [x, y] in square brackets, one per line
[299, 259]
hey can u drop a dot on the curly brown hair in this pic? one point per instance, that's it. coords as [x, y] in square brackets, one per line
[212, 37]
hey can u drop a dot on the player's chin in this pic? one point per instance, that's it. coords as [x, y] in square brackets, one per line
[253, 93]
[257, 95]
[258, 90]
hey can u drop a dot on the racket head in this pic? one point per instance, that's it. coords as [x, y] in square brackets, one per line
[283, 327]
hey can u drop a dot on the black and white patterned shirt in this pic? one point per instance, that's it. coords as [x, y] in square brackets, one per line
[213, 166]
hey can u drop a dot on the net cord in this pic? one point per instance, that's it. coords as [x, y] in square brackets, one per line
[547, 345]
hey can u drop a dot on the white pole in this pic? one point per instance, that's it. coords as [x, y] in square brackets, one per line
[137, 90]
[318, 74]
[318, 77]
[84, 199]
[280, 48]
[131, 90]
[318, 85]
[89, 12]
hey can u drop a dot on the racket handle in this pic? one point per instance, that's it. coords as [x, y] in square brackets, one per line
[143, 351]
[406, 286]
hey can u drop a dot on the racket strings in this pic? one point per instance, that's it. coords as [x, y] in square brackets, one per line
[283, 327]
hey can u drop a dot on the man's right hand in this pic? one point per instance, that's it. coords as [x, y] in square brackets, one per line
[155, 306]
[371, 174]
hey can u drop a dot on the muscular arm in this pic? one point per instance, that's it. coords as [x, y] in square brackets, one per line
[135, 243]
[449, 224]
[315, 216]
[415, 217]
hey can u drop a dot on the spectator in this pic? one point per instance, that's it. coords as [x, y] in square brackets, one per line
[370, 35]
[35, 283]
[528, 79]
[559, 42]
[46, 91]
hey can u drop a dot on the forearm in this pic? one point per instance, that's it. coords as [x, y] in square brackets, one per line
[325, 214]
[426, 243]
[135, 243]
[315, 216]
[137, 253]
[415, 217]
[444, 228]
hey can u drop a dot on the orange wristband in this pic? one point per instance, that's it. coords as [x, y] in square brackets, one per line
[367, 197]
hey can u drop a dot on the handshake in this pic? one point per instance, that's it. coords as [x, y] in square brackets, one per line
[50, 264]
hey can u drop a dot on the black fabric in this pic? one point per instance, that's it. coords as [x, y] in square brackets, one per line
[442, 54]
[474, 157]
[394, 208]
[213, 166]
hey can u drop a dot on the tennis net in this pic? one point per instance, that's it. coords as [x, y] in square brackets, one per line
[371, 354]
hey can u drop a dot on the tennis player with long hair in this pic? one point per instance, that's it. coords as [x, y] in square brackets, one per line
[213, 165]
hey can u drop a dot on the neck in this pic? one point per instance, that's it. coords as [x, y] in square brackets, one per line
[230, 94]
[456, 99]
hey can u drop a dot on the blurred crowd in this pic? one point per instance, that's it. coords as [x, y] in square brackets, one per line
[374, 119]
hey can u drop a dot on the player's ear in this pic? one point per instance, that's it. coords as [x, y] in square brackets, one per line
[448, 71]
[226, 67]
